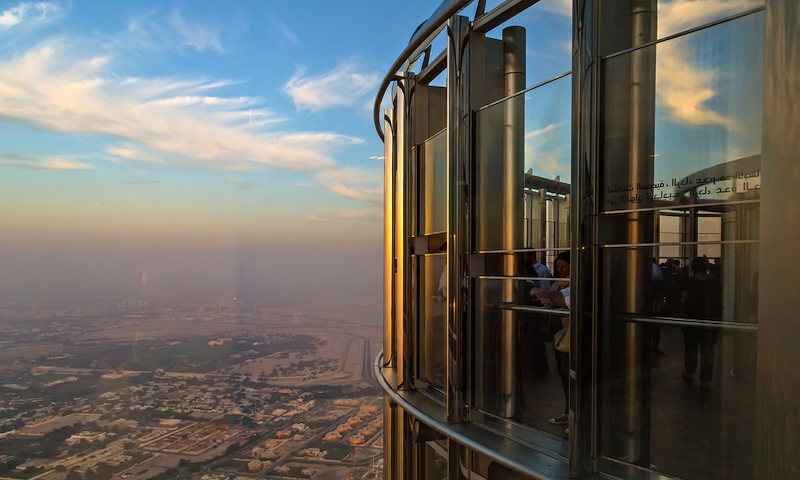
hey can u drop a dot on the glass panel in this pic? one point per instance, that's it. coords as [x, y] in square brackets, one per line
[693, 129]
[698, 424]
[675, 16]
[433, 184]
[710, 224]
[435, 464]
[518, 373]
[432, 323]
[548, 26]
[532, 160]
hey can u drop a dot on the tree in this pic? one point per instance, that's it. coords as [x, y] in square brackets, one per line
[74, 476]
[184, 462]
[61, 469]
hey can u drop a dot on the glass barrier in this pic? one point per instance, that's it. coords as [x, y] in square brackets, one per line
[432, 300]
[434, 463]
[548, 26]
[689, 411]
[432, 186]
[523, 171]
[675, 16]
[519, 374]
[707, 226]
[692, 134]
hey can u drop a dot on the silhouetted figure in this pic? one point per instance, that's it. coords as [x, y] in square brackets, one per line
[658, 307]
[537, 324]
[701, 301]
[558, 296]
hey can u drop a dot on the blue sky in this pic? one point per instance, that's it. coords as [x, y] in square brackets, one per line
[143, 127]
[239, 131]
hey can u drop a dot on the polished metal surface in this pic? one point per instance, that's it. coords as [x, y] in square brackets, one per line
[686, 32]
[778, 410]
[513, 209]
[643, 14]
[389, 166]
[457, 228]
[612, 312]
[447, 9]
[500, 449]
[400, 235]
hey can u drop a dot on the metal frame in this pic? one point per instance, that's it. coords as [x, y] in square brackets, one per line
[511, 456]
[583, 455]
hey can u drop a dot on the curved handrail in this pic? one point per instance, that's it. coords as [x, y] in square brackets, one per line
[448, 432]
[418, 40]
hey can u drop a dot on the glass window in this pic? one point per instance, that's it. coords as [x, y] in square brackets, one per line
[532, 160]
[432, 345]
[677, 286]
[519, 374]
[432, 185]
[434, 463]
[702, 141]
[548, 26]
[675, 16]
[678, 390]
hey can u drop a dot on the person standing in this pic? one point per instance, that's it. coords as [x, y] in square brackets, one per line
[558, 296]
[701, 301]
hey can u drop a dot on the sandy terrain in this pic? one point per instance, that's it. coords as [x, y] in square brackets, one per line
[53, 424]
[334, 349]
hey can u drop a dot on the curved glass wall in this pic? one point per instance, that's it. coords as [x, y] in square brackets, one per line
[585, 259]
[676, 288]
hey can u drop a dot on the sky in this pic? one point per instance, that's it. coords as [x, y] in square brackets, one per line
[204, 142]
[214, 148]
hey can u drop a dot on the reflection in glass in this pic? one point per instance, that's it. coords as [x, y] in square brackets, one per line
[433, 184]
[549, 38]
[704, 136]
[435, 464]
[542, 180]
[676, 16]
[432, 325]
[536, 387]
[694, 365]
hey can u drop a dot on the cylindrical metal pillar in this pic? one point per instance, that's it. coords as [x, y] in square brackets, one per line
[638, 272]
[513, 196]
[457, 228]
[400, 238]
[389, 163]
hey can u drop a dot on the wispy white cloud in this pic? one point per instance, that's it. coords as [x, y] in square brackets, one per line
[677, 15]
[47, 162]
[546, 149]
[559, 7]
[195, 35]
[152, 33]
[543, 131]
[241, 184]
[683, 87]
[376, 158]
[357, 184]
[58, 89]
[285, 31]
[343, 86]
[347, 215]
[28, 13]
